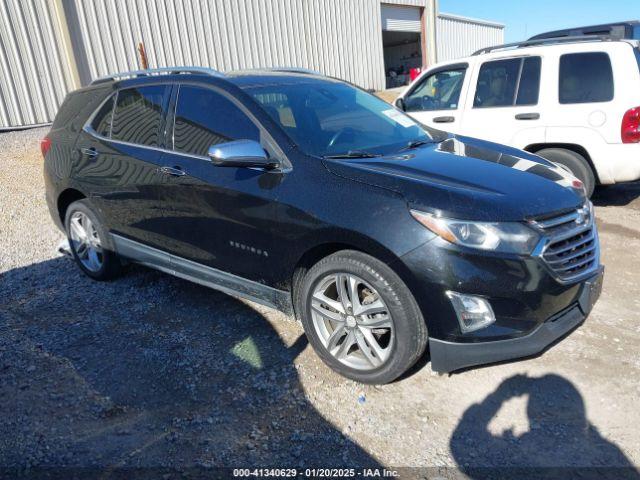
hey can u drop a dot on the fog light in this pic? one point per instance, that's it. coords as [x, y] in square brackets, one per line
[473, 312]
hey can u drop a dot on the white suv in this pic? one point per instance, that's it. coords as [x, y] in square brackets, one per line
[574, 101]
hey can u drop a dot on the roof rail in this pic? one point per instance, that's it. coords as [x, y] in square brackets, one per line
[547, 41]
[157, 71]
[306, 71]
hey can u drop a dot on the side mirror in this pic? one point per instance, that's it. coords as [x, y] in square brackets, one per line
[241, 153]
[400, 104]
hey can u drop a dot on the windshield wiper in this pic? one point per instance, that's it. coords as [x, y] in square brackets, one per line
[416, 143]
[354, 154]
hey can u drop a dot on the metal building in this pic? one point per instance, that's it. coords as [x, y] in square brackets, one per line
[49, 47]
[461, 36]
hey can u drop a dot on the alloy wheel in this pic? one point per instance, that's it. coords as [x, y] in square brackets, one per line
[85, 241]
[352, 321]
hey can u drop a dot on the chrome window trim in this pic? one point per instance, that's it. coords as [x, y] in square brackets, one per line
[89, 129]
[175, 112]
[93, 133]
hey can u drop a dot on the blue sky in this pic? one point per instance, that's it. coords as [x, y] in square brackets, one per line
[526, 18]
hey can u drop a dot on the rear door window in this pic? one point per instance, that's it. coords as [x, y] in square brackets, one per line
[509, 82]
[529, 86]
[205, 118]
[585, 78]
[139, 115]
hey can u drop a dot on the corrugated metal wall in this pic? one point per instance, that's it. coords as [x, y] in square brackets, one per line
[337, 37]
[34, 76]
[341, 38]
[460, 36]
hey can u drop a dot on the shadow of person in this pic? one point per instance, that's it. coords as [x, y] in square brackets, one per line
[560, 442]
[150, 372]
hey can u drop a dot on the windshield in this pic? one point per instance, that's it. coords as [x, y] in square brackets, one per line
[334, 119]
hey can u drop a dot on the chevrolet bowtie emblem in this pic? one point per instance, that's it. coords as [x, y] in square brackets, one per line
[582, 216]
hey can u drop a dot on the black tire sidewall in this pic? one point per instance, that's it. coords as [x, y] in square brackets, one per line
[575, 162]
[110, 264]
[410, 333]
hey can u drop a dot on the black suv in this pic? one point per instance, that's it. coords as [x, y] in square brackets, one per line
[311, 196]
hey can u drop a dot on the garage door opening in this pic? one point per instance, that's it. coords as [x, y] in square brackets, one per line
[401, 43]
[402, 52]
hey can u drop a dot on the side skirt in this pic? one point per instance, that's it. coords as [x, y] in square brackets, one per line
[203, 275]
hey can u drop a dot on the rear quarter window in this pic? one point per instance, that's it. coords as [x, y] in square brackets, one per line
[585, 78]
[101, 122]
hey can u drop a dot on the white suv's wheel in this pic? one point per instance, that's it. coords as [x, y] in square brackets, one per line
[574, 162]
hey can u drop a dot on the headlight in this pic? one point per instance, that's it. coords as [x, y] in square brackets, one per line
[506, 237]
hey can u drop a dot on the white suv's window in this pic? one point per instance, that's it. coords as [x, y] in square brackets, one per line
[585, 78]
[504, 83]
[438, 91]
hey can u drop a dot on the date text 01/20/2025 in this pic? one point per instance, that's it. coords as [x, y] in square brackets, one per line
[315, 472]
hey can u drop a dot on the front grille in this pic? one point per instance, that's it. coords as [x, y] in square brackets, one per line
[571, 246]
[572, 256]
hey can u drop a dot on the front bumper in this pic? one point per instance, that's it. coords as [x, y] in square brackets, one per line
[450, 356]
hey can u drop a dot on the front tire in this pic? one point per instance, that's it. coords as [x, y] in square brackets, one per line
[90, 243]
[361, 318]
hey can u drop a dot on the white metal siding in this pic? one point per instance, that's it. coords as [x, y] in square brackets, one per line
[399, 18]
[337, 37]
[460, 36]
[340, 38]
[33, 76]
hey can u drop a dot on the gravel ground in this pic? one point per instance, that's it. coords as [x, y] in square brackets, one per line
[152, 371]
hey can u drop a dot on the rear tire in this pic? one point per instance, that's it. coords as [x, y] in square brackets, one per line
[90, 243]
[375, 331]
[574, 162]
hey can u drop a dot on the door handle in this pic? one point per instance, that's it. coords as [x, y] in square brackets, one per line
[527, 116]
[444, 119]
[173, 171]
[90, 152]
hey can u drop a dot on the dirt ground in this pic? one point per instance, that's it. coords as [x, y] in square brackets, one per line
[154, 372]
[391, 94]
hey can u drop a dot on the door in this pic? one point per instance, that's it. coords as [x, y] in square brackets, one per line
[503, 102]
[435, 99]
[120, 153]
[221, 217]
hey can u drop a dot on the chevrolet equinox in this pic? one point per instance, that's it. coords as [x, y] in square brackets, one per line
[309, 195]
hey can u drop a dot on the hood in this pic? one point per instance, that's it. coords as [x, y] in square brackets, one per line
[470, 179]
